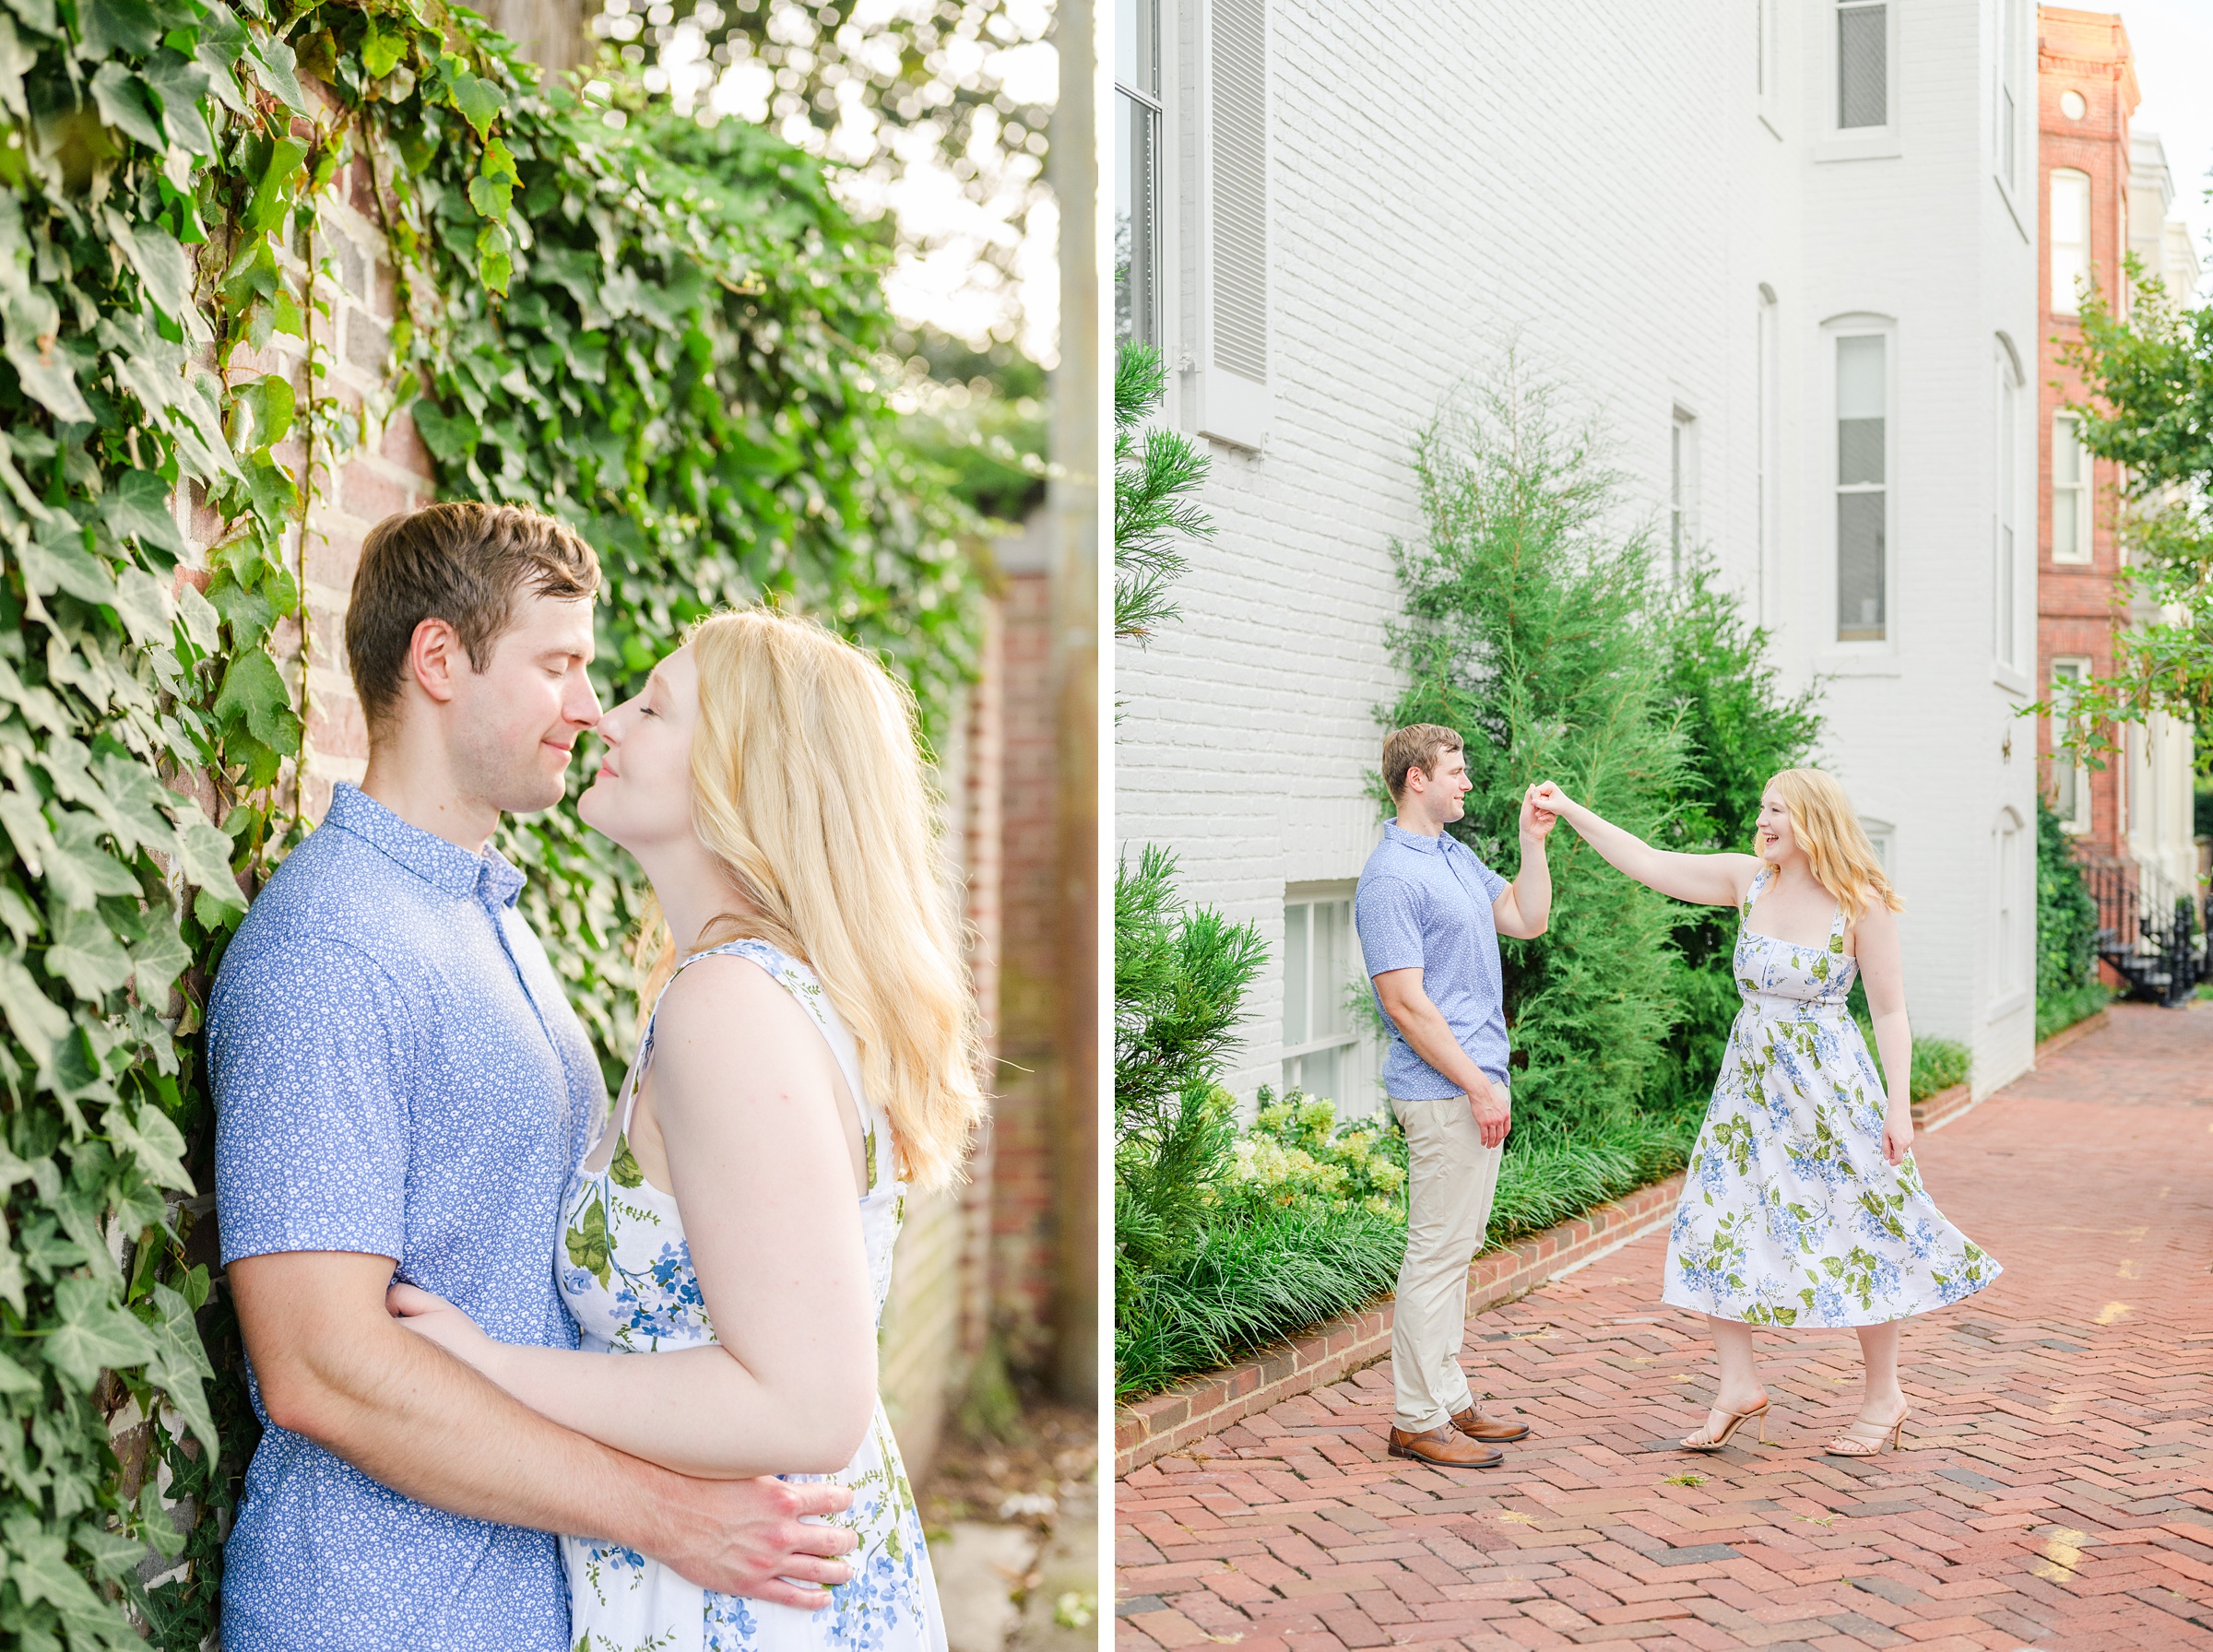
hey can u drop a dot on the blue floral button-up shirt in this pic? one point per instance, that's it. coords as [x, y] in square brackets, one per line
[1425, 903]
[395, 1073]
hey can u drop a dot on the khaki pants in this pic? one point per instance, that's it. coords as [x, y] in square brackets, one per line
[1453, 1177]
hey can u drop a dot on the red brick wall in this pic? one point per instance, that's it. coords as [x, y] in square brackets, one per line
[1021, 1204]
[2086, 53]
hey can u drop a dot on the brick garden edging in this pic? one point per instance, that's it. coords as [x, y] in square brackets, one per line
[1199, 1406]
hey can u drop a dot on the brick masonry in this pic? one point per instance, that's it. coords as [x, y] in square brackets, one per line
[2053, 1488]
[1171, 1421]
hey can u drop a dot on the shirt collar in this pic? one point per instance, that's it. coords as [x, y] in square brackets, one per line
[1395, 834]
[443, 865]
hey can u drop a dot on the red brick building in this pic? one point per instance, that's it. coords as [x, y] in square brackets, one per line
[2086, 93]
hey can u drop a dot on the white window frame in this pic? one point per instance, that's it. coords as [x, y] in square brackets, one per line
[1839, 142]
[1152, 103]
[1683, 489]
[1356, 1054]
[2007, 149]
[1768, 62]
[1882, 837]
[2075, 498]
[1860, 656]
[2076, 819]
[2067, 301]
[2010, 580]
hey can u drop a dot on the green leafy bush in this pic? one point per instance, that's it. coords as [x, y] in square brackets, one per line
[663, 337]
[2067, 986]
[1739, 731]
[1296, 1152]
[1179, 982]
[1528, 629]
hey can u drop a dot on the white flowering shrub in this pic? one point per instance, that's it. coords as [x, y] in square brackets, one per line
[1296, 1154]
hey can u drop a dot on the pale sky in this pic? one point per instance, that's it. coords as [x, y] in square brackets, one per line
[2172, 42]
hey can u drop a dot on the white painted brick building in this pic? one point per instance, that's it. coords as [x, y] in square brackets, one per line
[1676, 212]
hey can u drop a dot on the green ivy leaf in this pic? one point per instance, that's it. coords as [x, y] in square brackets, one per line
[39, 1567]
[276, 61]
[178, 83]
[495, 261]
[204, 857]
[13, 1379]
[123, 104]
[162, 267]
[266, 404]
[112, 26]
[36, 1020]
[492, 197]
[157, 960]
[154, 1142]
[78, 870]
[138, 507]
[272, 199]
[450, 436]
[479, 101]
[58, 562]
[381, 52]
[93, 1334]
[87, 955]
[159, 1527]
[180, 1362]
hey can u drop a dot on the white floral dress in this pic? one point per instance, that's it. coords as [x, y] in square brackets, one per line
[1790, 1214]
[626, 1274]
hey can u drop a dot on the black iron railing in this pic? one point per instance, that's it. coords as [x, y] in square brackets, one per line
[2150, 930]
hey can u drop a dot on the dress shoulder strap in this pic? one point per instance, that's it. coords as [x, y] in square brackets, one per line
[1752, 892]
[806, 987]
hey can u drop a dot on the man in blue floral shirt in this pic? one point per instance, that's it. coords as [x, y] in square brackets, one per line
[1429, 914]
[401, 1091]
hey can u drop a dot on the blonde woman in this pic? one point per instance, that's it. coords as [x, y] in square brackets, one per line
[1801, 1207]
[810, 1050]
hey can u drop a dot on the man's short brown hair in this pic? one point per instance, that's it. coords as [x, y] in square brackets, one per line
[464, 562]
[1415, 747]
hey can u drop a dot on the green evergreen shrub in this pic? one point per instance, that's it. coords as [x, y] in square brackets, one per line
[1180, 976]
[1156, 474]
[1739, 731]
[2067, 987]
[1528, 630]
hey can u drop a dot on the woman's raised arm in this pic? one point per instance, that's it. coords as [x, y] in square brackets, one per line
[1702, 879]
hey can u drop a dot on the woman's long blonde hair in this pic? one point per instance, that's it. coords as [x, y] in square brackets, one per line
[1843, 860]
[808, 786]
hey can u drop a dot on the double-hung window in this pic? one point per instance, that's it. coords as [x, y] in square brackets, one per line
[1324, 1051]
[1862, 488]
[2070, 239]
[2070, 491]
[1863, 64]
[2004, 141]
[1137, 123]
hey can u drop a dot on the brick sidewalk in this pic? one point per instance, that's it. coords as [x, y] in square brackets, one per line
[2057, 1489]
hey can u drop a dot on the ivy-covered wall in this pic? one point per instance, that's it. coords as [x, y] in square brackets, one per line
[235, 244]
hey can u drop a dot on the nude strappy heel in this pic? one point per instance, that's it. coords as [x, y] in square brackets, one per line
[1852, 1443]
[1736, 1420]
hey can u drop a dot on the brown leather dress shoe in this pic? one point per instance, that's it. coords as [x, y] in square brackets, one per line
[1444, 1447]
[1476, 1426]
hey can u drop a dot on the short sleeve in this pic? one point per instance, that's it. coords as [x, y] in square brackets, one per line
[1493, 885]
[1387, 914]
[308, 1054]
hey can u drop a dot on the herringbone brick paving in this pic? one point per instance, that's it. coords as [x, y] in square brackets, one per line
[2056, 1491]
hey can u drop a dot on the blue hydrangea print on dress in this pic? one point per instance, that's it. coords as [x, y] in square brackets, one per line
[1790, 1215]
[625, 1270]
